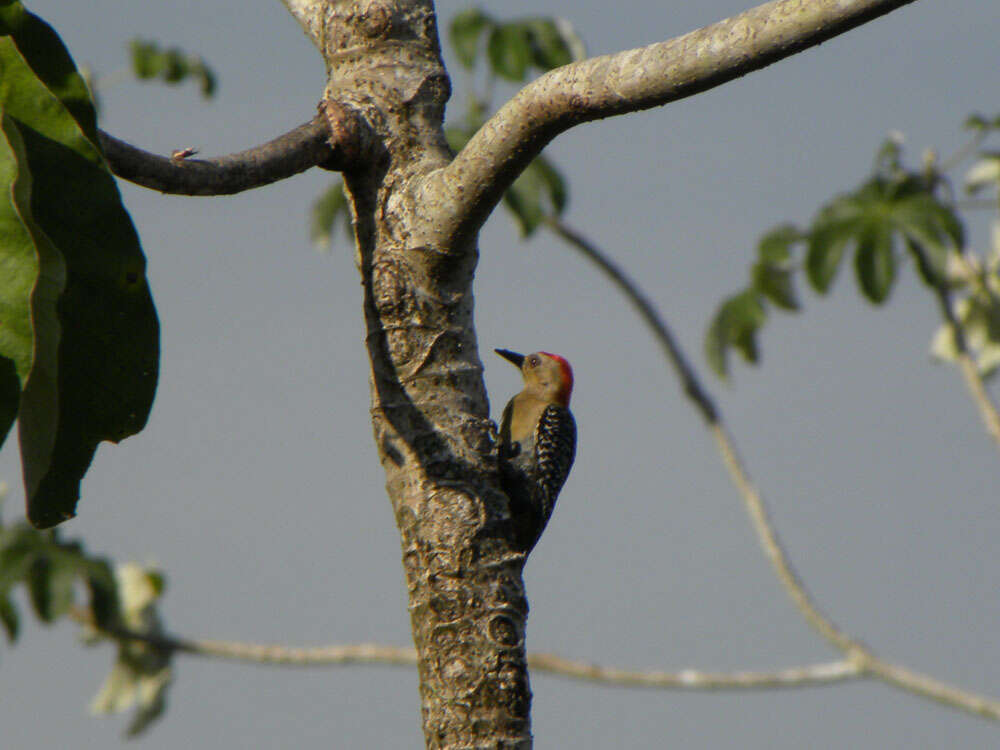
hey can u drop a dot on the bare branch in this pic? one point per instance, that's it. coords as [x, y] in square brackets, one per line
[854, 650]
[373, 653]
[630, 81]
[824, 673]
[296, 151]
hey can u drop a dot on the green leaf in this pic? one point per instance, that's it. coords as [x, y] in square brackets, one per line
[329, 210]
[509, 51]
[823, 255]
[875, 263]
[735, 325]
[931, 231]
[103, 589]
[549, 49]
[774, 247]
[18, 261]
[464, 33]
[524, 200]
[976, 122]
[19, 547]
[95, 340]
[553, 183]
[771, 276]
[50, 584]
[538, 184]
[775, 283]
[172, 65]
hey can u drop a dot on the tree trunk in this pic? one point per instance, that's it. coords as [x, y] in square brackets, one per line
[429, 406]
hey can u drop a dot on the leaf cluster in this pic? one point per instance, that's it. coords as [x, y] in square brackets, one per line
[50, 569]
[513, 47]
[150, 61]
[894, 215]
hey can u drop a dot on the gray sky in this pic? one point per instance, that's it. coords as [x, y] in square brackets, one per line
[257, 488]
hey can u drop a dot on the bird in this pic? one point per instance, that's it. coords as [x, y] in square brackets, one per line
[537, 442]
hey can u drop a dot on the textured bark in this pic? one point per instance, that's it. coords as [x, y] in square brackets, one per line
[631, 81]
[416, 216]
[429, 407]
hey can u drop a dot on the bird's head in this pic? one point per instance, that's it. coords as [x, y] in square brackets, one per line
[546, 375]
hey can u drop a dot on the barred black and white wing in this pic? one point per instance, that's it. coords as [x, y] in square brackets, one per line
[555, 449]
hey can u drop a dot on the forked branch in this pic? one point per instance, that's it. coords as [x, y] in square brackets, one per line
[855, 652]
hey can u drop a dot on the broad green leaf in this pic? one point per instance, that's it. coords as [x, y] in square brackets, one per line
[19, 266]
[464, 33]
[771, 276]
[774, 247]
[775, 283]
[509, 50]
[538, 184]
[171, 65]
[19, 547]
[734, 326]
[875, 262]
[31, 321]
[976, 122]
[553, 183]
[50, 569]
[548, 47]
[99, 383]
[825, 250]
[981, 122]
[103, 588]
[931, 231]
[50, 583]
[524, 200]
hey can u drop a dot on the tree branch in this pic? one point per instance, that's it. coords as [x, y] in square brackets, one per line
[824, 673]
[854, 650]
[627, 82]
[296, 151]
[373, 653]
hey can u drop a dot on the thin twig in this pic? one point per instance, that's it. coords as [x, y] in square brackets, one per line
[296, 151]
[856, 652]
[372, 653]
[824, 673]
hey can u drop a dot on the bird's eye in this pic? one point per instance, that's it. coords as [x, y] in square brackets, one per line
[533, 361]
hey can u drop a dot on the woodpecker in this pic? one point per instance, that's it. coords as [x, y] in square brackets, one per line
[537, 441]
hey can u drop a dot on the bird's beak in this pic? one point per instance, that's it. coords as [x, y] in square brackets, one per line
[517, 359]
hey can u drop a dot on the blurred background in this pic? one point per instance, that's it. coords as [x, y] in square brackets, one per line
[256, 485]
